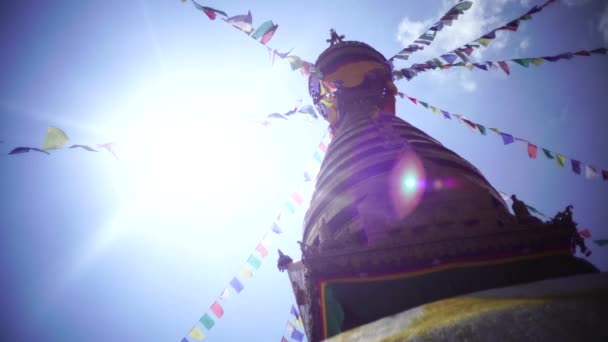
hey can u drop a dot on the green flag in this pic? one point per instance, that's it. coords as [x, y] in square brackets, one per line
[55, 138]
[207, 321]
[548, 153]
[481, 129]
[525, 62]
[254, 262]
[265, 27]
[426, 105]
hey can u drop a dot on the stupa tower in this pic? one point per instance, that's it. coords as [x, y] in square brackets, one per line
[397, 220]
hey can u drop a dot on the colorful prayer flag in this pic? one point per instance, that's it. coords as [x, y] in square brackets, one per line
[207, 321]
[55, 138]
[289, 206]
[294, 311]
[262, 29]
[481, 129]
[446, 114]
[413, 100]
[217, 309]
[210, 12]
[317, 156]
[263, 251]
[504, 66]
[254, 262]
[532, 150]
[585, 233]
[525, 62]
[590, 172]
[246, 272]
[242, 22]
[236, 285]
[561, 160]
[576, 166]
[268, 35]
[307, 177]
[507, 138]
[196, 334]
[548, 153]
[297, 335]
[225, 294]
[426, 105]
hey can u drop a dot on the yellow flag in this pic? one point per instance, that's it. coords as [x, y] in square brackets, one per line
[537, 61]
[469, 66]
[246, 272]
[434, 110]
[55, 138]
[196, 334]
[299, 322]
[561, 160]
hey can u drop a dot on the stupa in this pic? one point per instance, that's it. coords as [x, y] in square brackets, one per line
[397, 220]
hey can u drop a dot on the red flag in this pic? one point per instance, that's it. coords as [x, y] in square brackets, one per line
[283, 339]
[322, 147]
[532, 150]
[504, 66]
[217, 309]
[296, 198]
[413, 100]
[585, 233]
[470, 123]
[263, 251]
[268, 35]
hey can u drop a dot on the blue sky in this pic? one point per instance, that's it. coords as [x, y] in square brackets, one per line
[137, 249]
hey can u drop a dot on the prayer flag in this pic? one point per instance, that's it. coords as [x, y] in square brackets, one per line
[507, 138]
[207, 321]
[294, 311]
[483, 41]
[225, 294]
[532, 150]
[283, 339]
[110, 147]
[268, 35]
[196, 334]
[236, 285]
[426, 105]
[276, 228]
[590, 172]
[217, 309]
[504, 66]
[55, 138]
[262, 29]
[307, 177]
[263, 251]
[246, 272]
[295, 62]
[576, 166]
[450, 58]
[470, 123]
[296, 196]
[481, 129]
[434, 110]
[19, 150]
[561, 160]
[446, 114]
[242, 22]
[299, 321]
[605, 175]
[322, 147]
[495, 130]
[413, 100]
[317, 156]
[602, 242]
[548, 153]
[585, 233]
[537, 61]
[289, 206]
[525, 62]
[84, 147]
[254, 262]
[297, 335]
[267, 240]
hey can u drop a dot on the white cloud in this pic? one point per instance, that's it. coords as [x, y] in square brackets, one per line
[468, 85]
[603, 24]
[525, 3]
[525, 43]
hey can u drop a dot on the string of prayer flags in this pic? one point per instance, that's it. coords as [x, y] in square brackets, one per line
[429, 35]
[236, 285]
[577, 166]
[217, 309]
[196, 334]
[291, 331]
[488, 65]
[225, 294]
[207, 321]
[467, 49]
[109, 147]
[254, 262]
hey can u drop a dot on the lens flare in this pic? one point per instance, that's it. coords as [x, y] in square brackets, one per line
[407, 184]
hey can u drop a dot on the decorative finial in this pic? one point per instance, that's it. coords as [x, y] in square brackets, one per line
[334, 37]
[284, 261]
